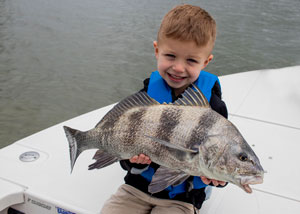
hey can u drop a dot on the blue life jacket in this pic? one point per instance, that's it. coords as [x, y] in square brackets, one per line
[159, 90]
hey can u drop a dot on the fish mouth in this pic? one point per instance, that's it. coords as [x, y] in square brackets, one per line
[249, 180]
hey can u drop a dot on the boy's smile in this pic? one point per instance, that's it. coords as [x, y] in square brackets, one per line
[179, 62]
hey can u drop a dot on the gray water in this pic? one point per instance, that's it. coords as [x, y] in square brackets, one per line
[63, 58]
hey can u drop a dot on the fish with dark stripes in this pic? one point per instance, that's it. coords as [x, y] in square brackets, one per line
[186, 138]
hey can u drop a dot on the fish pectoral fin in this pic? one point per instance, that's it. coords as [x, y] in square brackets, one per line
[165, 177]
[103, 159]
[173, 146]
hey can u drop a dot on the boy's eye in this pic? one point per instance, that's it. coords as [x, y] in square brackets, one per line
[170, 55]
[192, 60]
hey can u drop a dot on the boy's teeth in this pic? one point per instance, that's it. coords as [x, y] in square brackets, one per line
[176, 77]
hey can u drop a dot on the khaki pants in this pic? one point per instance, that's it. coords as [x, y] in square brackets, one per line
[129, 200]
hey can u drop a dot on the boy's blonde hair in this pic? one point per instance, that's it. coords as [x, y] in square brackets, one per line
[188, 23]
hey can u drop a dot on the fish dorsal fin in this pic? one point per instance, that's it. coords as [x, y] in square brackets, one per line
[192, 97]
[138, 99]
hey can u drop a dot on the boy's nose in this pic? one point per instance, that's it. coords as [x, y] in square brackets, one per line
[178, 67]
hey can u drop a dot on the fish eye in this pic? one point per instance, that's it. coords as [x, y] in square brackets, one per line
[243, 157]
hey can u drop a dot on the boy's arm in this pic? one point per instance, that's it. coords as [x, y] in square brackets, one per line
[216, 101]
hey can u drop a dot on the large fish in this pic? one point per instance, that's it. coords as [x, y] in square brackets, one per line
[186, 138]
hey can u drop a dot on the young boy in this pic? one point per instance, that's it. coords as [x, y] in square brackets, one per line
[183, 49]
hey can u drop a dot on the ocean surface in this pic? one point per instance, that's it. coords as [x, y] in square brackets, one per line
[63, 58]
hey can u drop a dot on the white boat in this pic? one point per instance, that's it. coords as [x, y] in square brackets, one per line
[35, 173]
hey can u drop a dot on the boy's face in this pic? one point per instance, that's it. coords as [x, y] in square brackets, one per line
[180, 62]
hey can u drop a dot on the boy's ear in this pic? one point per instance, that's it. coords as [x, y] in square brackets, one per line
[209, 58]
[155, 49]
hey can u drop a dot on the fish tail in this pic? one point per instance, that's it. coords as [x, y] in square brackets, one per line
[75, 144]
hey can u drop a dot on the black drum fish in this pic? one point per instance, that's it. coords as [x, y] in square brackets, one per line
[186, 138]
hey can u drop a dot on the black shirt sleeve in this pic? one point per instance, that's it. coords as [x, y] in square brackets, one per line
[216, 101]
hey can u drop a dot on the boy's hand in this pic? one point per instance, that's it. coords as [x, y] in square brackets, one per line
[207, 181]
[141, 159]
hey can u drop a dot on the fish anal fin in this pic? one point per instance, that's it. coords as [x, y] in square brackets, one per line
[165, 177]
[103, 159]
